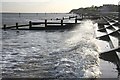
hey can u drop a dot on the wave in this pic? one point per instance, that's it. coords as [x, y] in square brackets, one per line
[79, 58]
[66, 54]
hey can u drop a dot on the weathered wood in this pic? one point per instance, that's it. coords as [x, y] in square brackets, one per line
[17, 26]
[61, 23]
[30, 24]
[69, 17]
[23, 25]
[19, 14]
[75, 19]
[38, 23]
[4, 26]
[82, 16]
[45, 23]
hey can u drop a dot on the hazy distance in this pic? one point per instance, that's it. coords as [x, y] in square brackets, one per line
[49, 6]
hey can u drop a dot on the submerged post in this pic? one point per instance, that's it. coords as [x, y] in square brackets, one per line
[75, 19]
[61, 23]
[19, 14]
[81, 16]
[30, 24]
[4, 26]
[69, 17]
[45, 22]
[17, 26]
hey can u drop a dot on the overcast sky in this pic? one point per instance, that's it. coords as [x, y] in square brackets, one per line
[50, 6]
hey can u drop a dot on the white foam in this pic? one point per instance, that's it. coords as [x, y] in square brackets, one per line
[82, 52]
[70, 53]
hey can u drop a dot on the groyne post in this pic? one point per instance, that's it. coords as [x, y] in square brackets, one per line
[81, 16]
[30, 24]
[69, 17]
[45, 22]
[4, 26]
[75, 19]
[61, 23]
[17, 26]
[19, 14]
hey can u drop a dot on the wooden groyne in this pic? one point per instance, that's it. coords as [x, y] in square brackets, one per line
[107, 22]
[47, 24]
[60, 24]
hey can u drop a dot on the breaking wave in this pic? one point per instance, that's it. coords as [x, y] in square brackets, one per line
[79, 58]
[57, 54]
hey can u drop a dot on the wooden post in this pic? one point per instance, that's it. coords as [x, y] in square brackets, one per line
[69, 17]
[19, 14]
[17, 26]
[81, 16]
[75, 19]
[45, 22]
[30, 24]
[61, 23]
[4, 26]
[37, 14]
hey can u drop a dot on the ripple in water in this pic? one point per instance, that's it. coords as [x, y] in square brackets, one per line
[54, 54]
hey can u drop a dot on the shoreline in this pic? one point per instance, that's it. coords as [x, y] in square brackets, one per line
[105, 65]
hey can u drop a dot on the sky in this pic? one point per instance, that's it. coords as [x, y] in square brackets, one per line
[49, 6]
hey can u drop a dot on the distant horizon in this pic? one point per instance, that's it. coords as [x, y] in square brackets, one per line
[36, 12]
[50, 6]
[54, 12]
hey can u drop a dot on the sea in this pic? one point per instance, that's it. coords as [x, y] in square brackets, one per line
[69, 53]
